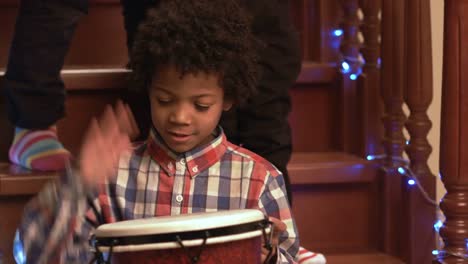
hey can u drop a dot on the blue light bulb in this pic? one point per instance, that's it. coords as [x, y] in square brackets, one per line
[337, 32]
[345, 66]
[438, 225]
[401, 170]
[18, 251]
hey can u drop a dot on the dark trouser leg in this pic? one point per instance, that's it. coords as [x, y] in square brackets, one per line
[134, 12]
[33, 87]
[261, 125]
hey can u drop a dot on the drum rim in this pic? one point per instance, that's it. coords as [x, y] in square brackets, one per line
[179, 223]
[196, 236]
[186, 243]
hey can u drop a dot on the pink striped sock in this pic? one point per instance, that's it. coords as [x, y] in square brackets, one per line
[38, 149]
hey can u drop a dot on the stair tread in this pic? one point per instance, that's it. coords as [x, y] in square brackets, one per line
[329, 167]
[115, 77]
[15, 180]
[304, 168]
[362, 258]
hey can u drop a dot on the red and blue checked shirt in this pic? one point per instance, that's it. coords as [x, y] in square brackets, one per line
[154, 181]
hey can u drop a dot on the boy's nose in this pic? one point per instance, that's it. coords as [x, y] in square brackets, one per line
[180, 115]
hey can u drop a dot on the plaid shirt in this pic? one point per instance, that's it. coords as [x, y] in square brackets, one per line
[154, 181]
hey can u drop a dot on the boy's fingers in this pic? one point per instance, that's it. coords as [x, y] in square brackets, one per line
[279, 226]
[123, 118]
[104, 142]
[135, 131]
[89, 149]
[126, 120]
[108, 122]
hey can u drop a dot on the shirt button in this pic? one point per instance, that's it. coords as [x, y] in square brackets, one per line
[195, 169]
[179, 198]
[182, 161]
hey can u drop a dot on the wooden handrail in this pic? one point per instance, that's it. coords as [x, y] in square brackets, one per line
[454, 131]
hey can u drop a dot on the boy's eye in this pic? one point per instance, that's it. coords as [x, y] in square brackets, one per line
[163, 100]
[202, 107]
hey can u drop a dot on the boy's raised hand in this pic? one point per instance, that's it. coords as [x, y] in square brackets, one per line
[104, 142]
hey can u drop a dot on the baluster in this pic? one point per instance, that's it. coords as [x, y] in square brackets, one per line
[392, 50]
[418, 96]
[369, 83]
[350, 44]
[370, 28]
[349, 48]
[454, 133]
[392, 78]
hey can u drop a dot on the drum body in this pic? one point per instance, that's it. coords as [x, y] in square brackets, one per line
[242, 251]
[233, 236]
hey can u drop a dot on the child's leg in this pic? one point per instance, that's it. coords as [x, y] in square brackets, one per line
[34, 92]
[38, 149]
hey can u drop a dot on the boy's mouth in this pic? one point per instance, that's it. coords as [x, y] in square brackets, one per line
[179, 137]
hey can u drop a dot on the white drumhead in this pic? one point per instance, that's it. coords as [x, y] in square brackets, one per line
[178, 224]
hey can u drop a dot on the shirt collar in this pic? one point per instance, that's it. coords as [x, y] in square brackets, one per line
[197, 160]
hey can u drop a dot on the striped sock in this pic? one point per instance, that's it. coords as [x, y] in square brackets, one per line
[38, 149]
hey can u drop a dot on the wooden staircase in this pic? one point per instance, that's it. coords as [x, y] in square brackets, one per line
[335, 194]
[338, 195]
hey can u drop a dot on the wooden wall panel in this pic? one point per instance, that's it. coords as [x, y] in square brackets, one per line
[107, 46]
[6, 131]
[11, 209]
[100, 37]
[306, 20]
[315, 21]
[338, 218]
[7, 23]
[314, 117]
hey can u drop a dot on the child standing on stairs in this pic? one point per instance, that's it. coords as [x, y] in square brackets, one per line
[195, 59]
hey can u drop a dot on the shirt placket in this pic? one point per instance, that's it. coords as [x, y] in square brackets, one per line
[178, 188]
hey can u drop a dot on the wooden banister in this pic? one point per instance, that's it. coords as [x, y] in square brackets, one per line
[420, 213]
[392, 79]
[369, 81]
[349, 48]
[454, 133]
[392, 45]
[350, 44]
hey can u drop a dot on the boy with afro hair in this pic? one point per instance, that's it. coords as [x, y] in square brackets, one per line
[195, 59]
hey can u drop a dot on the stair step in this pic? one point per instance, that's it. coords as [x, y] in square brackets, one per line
[15, 180]
[331, 192]
[95, 77]
[362, 258]
[304, 168]
[329, 167]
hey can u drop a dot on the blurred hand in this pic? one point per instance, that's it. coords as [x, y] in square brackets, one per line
[104, 142]
[277, 228]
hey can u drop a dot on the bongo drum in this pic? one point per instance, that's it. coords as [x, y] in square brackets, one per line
[233, 236]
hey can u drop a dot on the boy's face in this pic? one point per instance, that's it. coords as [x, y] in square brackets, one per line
[185, 110]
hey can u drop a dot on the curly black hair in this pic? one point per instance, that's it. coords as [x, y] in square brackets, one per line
[212, 36]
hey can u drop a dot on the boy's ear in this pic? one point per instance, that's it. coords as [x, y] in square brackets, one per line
[227, 104]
